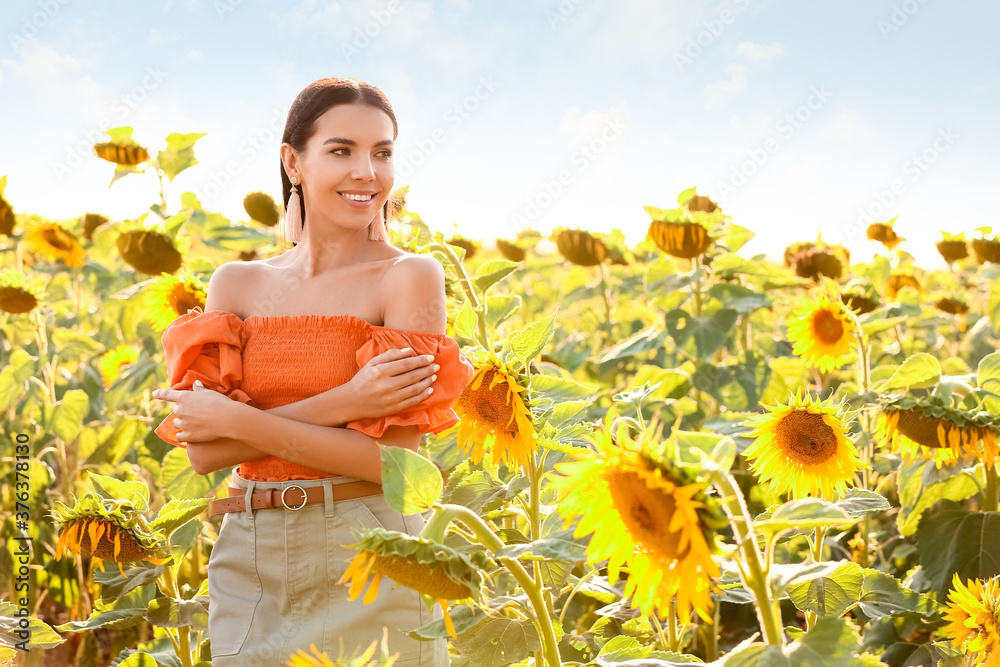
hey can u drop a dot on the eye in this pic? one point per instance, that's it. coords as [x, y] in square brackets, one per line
[386, 154]
[334, 151]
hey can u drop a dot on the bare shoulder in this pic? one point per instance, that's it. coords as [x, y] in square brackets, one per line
[412, 294]
[229, 287]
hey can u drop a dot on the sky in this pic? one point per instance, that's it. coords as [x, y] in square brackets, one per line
[799, 117]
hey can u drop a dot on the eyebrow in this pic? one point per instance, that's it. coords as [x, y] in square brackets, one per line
[351, 142]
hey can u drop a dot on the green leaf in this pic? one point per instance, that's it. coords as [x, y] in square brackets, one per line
[650, 338]
[988, 378]
[921, 484]
[951, 539]
[67, 419]
[72, 344]
[918, 371]
[463, 617]
[19, 367]
[499, 307]
[498, 642]
[139, 659]
[877, 323]
[559, 389]
[556, 546]
[132, 490]
[829, 591]
[528, 342]
[478, 491]
[719, 448]
[411, 483]
[179, 154]
[176, 513]
[493, 271]
[859, 502]
[466, 321]
[167, 612]
[178, 479]
[123, 133]
[804, 514]
[708, 333]
[829, 643]
[42, 635]
[741, 299]
[884, 595]
[114, 584]
[124, 612]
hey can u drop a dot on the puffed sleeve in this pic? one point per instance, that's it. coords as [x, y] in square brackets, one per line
[206, 346]
[434, 413]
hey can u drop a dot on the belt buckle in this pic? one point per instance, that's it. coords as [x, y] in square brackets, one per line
[304, 498]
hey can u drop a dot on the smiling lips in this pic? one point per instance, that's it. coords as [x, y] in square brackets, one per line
[357, 198]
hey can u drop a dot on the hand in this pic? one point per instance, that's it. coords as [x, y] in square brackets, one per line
[393, 381]
[200, 413]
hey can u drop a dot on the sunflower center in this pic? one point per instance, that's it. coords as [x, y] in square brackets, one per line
[491, 406]
[827, 327]
[805, 437]
[924, 430]
[422, 577]
[647, 514]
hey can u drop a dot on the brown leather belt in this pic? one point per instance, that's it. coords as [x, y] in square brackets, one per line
[292, 497]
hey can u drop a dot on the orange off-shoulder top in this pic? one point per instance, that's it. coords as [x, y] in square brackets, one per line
[268, 361]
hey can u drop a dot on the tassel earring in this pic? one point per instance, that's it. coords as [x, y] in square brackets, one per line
[292, 224]
[376, 229]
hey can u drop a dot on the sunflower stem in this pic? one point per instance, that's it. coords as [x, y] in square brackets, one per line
[768, 611]
[532, 587]
[675, 644]
[470, 293]
[991, 494]
[169, 580]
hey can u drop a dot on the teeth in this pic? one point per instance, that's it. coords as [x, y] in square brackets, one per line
[358, 197]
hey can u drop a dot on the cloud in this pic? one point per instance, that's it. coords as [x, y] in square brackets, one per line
[718, 93]
[845, 128]
[588, 125]
[757, 53]
[57, 79]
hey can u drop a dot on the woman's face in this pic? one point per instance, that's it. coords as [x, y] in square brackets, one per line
[347, 169]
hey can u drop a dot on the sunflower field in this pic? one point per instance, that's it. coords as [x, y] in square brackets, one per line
[670, 453]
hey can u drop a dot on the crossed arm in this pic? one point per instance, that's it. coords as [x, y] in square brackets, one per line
[310, 432]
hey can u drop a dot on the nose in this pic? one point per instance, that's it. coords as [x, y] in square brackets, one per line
[364, 170]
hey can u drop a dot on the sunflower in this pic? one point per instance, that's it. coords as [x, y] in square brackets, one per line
[511, 251]
[260, 206]
[897, 281]
[929, 429]
[126, 154]
[168, 297]
[318, 659]
[91, 221]
[7, 218]
[821, 332]
[645, 513]
[468, 246]
[113, 361]
[107, 530]
[973, 615]
[496, 414]
[884, 234]
[685, 240]
[432, 569]
[54, 243]
[148, 252]
[701, 203]
[986, 250]
[581, 247]
[16, 296]
[953, 249]
[859, 303]
[803, 448]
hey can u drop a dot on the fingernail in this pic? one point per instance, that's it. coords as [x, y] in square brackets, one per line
[406, 349]
[429, 357]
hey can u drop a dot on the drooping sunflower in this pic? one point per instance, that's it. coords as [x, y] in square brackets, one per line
[114, 360]
[302, 659]
[931, 429]
[91, 221]
[7, 217]
[953, 249]
[107, 530]
[511, 251]
[973, 615]
[434, 570]
[986, 250]
[655, 518]
[16, 295]
[467, 245]
[884, 234]
[859, 303]
[822, 333]
[685, 240]
[897, 281]
[495, 415]
[802, 448]
[54, 242]
[581, 247]
[148, 252]
[124, 153]
[260, 206]
[168, 297]
[817, 260]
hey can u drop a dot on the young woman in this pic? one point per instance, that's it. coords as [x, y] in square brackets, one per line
[304, 362]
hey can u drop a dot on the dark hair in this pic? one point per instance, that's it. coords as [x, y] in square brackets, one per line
[315, 100]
